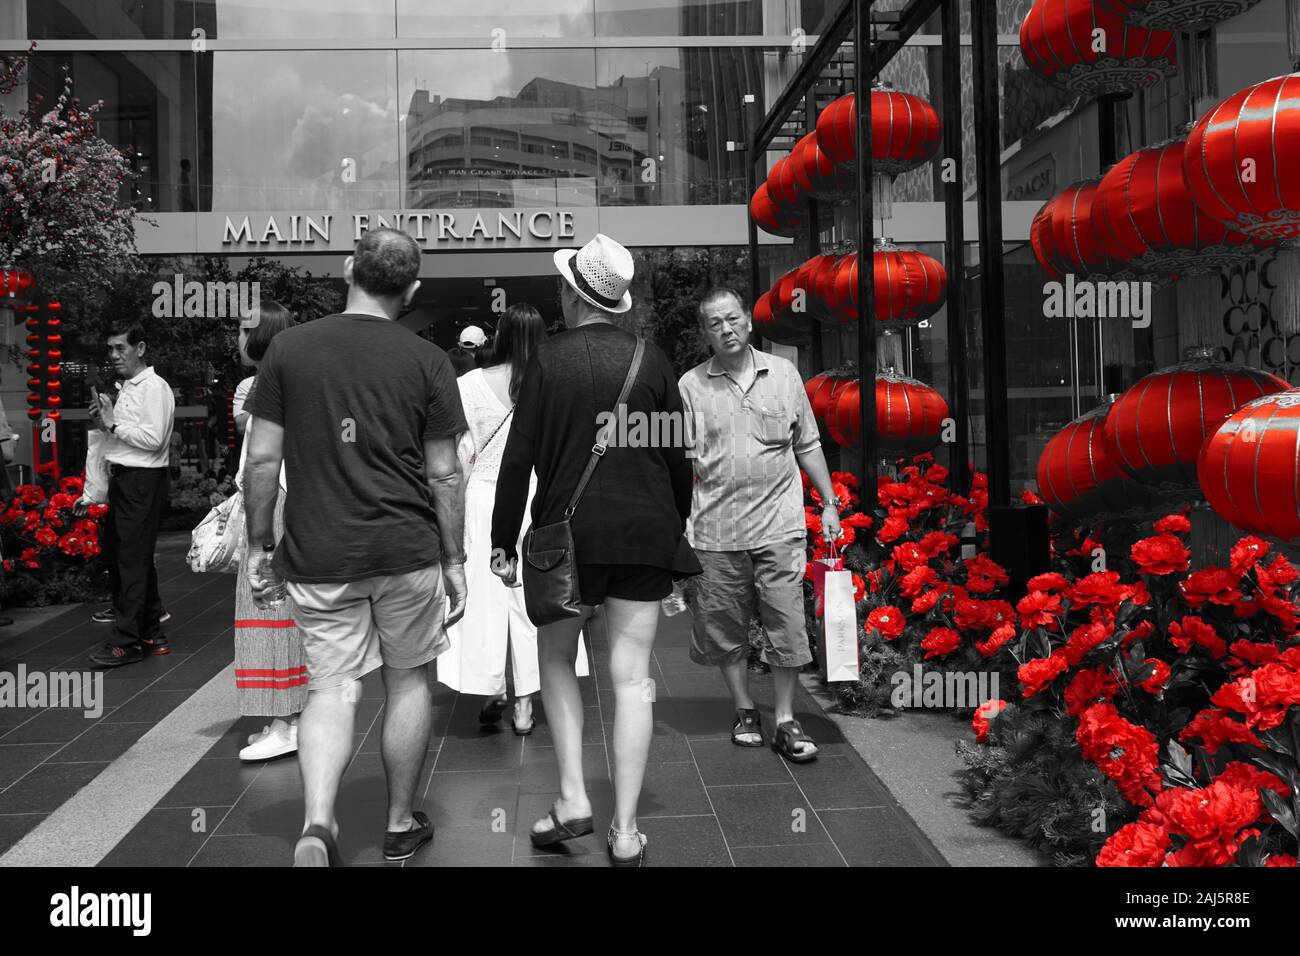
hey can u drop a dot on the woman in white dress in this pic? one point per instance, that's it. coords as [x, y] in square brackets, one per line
[495, 620]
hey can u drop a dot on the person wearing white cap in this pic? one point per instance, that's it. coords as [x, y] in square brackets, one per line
[627, 525]
[472, 338]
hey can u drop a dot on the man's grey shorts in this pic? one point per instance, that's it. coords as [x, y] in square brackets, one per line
[737, 585]
[349, 629]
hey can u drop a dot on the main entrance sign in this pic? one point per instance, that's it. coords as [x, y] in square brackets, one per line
[461, 229]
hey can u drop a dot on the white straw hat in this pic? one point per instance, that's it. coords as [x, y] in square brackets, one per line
[600, 272]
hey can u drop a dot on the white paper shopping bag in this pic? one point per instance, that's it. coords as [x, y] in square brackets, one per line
[839, 628]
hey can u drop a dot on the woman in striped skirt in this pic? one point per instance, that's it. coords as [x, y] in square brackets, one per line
[270, 667]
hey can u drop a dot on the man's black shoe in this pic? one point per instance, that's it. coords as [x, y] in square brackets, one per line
[114, 655]
[156, 645]
[403, 844]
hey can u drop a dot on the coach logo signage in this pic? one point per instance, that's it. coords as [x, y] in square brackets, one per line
[1036, 180]
[463, 227]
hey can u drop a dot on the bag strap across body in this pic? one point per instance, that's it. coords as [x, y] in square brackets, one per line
[602, 439]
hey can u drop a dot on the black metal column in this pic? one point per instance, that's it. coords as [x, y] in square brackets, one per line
[988, 174]
[863, 73]
[816, 355]
[752, 158]
[955, 245]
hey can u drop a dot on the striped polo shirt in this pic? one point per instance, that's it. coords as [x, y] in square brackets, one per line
[743, 442]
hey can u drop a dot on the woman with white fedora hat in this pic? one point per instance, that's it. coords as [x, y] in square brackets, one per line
[627, 526]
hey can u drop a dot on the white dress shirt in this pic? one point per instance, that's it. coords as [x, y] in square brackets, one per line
[144, 415]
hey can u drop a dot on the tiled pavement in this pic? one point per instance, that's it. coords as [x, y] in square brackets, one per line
[705, 803]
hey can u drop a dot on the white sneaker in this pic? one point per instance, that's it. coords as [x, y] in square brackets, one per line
[282, 739]
[254, 738]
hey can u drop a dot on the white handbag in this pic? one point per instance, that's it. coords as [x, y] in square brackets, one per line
[217, 543]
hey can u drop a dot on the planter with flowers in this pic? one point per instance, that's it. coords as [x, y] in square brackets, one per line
[49, 552]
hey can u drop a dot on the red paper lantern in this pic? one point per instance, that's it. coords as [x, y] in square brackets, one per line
[1147, 222]
[1078, 480]
[1078, 246]
[1248, 469]
[769, 217]
[1155, 430]
[773, 318]
[16, 285]
[822, 391]
[909, 415]
[782, 187]
[1175, 14]
[1240, 165]
[1091, 51]
[816, 173]
[909, 286]
[905, 131]
[1042, 239]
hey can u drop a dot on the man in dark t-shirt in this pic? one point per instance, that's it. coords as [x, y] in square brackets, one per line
[365, 415]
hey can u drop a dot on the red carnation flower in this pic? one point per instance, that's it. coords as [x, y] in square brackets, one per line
[1254, 654]
[938, 542]
[1246, 552]
[926, 602]
[981, 565]
[893, 528]
[1154, 683]
[1194, 631]
[859, 589]
[1173, 524]
[45, 536]
[1160, 554]
[857, 520]
[1086, 637]
[996, 641]
[915, 580]
[1214, 728]
[1100, 587]
[29, 558]
[1036, 674]
[1249, 777]
[1039, 609]
[1282, 571]
[97, 511]
[1092, 686]
[910, 555]
[940, 642]
[1135, 844]
[1051, 581]
[886, 620]
[984, 713]
[1125, 752]
[1216, 585]
[1281, 859]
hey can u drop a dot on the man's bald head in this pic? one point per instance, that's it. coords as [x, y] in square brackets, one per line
[385, 263]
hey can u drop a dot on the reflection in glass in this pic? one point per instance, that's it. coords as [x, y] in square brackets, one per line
[148, 113]
[302, 19]
[482, 18]
[499, 130]
[97, 19]
[302, 130]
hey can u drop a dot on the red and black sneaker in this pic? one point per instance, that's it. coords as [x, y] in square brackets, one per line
[156, 645]
[115, 655]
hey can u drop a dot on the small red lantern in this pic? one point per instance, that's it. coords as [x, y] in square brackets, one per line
[1146, 221]
[1078, 480]
[905, 131]
[822, 391]
[1175, 14]
[16, 286]
[909, 286]
[909, 414]
[1042, 239]
[1155, 430]
[1077, 246]
[769, 217]
[1236, 162]
[1248, 469]
[1091, 51]
[773, 318]
[816, 173]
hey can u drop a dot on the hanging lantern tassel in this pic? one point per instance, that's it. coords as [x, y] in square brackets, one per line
[1293, 32]
[1200, 318]
[1284, 272]
[882, 196]
[1117, 343]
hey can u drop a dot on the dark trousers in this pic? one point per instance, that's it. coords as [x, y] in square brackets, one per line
[135, 503]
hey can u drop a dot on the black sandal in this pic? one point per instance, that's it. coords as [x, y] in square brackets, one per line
[787, 735]
[492, 711]
[747, 722]
[561, 830]
[316, 839]
[638, 860]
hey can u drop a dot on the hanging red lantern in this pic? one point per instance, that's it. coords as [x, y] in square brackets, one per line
[768, 217]
[1175, 14]
[1146, 221]
[909, 414]
[905, 131]
[909, 286]
[1078, 480]
[1236, 165]
[816, 174]
[1078, 247]
[1155, 430]
[773, 318]
[822, 391]
[782, 187]
[1248, 469]
[1042, 240]
[16, 286]
[1091, 51]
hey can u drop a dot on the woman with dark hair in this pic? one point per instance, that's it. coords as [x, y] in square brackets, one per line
[270, 666]
[495, 620]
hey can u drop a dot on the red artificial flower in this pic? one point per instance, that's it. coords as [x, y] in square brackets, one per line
[926, 602]
[1051, 581]
[1036, 674]
[1281, 859]
[1140, 632]
[937, 542]
[1039, 609]
[1154, 683]
[31, 521]
[996, 641]
[8, 565]
[893, 528]
[1100, 587]
[857, 520]
[1086, 637]
[1135, 844]
[1210, 818]
[1029, 498]
[984, 713]
[29, 558]
[1125, 752]
[1262, 696]
[1254, 654]
[1246, 552]
[1282, 571]
[1214, 728]
[30, 494]
[887, 620]
[910, 555]
[812, 520]
[846, 478]
[940, 642]
[981, 565]
[97, 511]
[45, 536]
[1283, 610]
[70, 544]
[912, 583]
[859, 589]
[1173, 524]
[1091, 686]
[1249, 777]
[1160, 554]
[1193, 631]
[1216, 585]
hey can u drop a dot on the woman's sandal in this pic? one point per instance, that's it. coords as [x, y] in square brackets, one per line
[638, 860]
[526, 731]
[788, 734]
[747, 722]
[561, 830]
[492, 711]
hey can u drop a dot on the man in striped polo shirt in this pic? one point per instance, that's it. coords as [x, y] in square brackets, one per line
[749, 430]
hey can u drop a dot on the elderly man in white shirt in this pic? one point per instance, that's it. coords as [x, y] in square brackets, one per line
[139, 430]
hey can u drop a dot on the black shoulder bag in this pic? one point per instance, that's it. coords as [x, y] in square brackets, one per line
[550, 566]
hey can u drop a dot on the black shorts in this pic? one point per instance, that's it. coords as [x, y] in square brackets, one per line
[631, 582]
